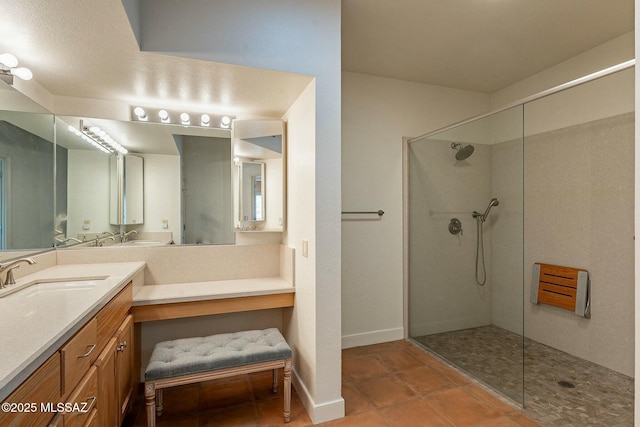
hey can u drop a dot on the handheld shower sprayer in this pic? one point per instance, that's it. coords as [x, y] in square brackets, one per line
[483, 217]
[481, 270]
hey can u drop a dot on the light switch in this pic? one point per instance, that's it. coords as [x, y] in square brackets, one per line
[305, 248]
[165, 223]
[86, 224]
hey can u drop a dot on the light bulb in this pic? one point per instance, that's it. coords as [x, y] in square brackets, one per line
[23, 73]
[184, 118]
[226, 121]
[164, 115]
[205, 119]
[140, 112]
[9, 60]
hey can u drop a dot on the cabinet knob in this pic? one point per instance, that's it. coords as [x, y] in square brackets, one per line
[122, 346]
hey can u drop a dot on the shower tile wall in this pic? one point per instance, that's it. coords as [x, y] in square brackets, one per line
[579, 196]
[443, 294]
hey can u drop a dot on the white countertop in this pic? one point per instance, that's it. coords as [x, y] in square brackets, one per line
[37, 320]
[200, 291]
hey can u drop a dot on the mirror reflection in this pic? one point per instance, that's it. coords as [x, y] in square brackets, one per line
[259, 155]
[183, 191]
[27, 158]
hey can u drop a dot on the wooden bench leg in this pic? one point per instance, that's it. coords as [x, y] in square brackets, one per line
[274, 384]
[150, 400]
[287, 390]
[159, 405]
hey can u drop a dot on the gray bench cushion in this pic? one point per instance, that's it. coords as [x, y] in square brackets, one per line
[194, 355]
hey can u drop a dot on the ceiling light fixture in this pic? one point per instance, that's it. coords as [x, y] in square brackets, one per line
[141, 114]
[102, 138]
[164, 116]
[9, 68]
[156, 115]
[225, 122]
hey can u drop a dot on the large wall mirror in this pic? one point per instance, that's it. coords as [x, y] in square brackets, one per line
[260, 178]
[27, 158]
[184, 189]
[57, 190]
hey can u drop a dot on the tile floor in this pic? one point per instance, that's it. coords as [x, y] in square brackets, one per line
[390, 384]
[600, 397]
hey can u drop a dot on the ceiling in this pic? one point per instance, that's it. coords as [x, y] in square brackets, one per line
[478, 45]
[86, 49]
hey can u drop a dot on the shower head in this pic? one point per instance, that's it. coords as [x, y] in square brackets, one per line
[463, 151]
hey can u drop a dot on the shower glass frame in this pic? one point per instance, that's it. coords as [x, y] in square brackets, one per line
[444, 301]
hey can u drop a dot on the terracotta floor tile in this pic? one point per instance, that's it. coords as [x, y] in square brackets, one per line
[225, 393]
[242, 415]
[524, 421]
[261, 385]
[177, 421]
[271, 413]
[354, 400]
[491, 399]
[425, 380]
[362, 367]
[385, 346]
[180, 400]
[382, 391]
[498, 422]
[353, 351]
[413, 413]
[398, 359]
[451, 373]
[462, 407]
[362, 419]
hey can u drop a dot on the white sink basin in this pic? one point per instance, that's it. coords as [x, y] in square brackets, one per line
[49, 286]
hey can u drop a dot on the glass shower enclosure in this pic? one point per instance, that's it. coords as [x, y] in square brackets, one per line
[465, 247]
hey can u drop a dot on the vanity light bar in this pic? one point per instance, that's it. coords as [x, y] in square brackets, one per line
[161, 115]
[91, 141]
[102, 138]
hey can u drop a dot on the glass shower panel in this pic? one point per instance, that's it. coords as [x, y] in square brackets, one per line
[466, 248]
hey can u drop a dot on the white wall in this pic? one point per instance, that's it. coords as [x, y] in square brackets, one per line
[301, 320]
[88, 193]
[377, 113]
[291, 36]
[162, 194]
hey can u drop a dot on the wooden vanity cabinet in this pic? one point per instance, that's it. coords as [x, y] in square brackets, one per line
[92, 371]
[115, 376]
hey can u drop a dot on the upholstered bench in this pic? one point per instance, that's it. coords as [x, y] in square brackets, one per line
[192, 360]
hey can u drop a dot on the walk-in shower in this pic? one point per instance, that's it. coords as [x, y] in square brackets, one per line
[462, 280]
[564, 158]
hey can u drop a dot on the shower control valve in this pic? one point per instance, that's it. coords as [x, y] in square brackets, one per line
[455, 226]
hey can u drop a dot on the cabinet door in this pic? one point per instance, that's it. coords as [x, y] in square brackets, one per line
[107, 387]
[124, 365]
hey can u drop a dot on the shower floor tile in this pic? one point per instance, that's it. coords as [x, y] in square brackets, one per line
[600, 396]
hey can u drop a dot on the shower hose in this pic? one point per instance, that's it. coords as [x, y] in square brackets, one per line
[480, 253]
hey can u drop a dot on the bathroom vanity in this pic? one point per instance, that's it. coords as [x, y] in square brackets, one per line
[68, 355]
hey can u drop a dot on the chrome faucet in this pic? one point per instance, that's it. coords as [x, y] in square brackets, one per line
[125, 236]
[8, 267]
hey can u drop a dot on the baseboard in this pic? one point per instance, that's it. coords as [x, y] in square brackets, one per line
[319, 413]
[374, 337]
